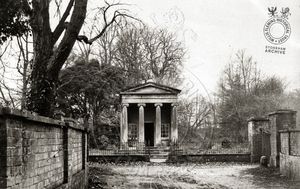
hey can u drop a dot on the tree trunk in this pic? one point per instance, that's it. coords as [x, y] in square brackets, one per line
[48, 60]
[42, 94]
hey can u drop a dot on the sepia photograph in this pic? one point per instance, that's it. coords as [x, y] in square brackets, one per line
[140, 94]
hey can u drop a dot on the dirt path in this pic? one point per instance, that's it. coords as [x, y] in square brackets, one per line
[186, 176]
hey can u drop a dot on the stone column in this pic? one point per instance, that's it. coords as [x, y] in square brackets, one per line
[124, 125]
[174, 127]
[279, 120]
[141, 123]
[157, 139]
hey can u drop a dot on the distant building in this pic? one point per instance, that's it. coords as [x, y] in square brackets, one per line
[148, 115]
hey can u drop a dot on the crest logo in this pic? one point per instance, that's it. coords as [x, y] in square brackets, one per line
[277, 29]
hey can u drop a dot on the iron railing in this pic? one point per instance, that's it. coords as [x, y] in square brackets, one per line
[216, 149]
[137, 148]
[130, 148]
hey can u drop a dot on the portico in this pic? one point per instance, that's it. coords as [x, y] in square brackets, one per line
[148, 115]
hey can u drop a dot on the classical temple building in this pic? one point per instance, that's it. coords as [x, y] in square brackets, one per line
[148, 115]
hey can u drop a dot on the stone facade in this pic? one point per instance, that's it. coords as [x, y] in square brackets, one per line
[39, 152]
[284, 141]
[279, 120]
[290, 153]
[148, 115]
[259, 138]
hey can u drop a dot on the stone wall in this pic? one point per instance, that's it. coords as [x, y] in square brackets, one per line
[264, 138]
[204, 158]
[39, 152]
[284, 141]
[290, 153]
[279, 120]
[259, 137]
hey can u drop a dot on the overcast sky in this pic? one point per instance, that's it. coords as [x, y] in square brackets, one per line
[213, 31]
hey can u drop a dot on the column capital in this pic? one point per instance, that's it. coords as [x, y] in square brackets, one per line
[158, 104]
[125, 105]
[141, 104]
[174, 104]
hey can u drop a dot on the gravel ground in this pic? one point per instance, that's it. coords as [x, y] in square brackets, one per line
[186, 176]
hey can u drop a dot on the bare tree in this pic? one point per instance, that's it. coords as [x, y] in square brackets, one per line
[195, 115]
[103, 49]
[130, 55]
[243, 93]
[13, 89]
[164, 55]
[4, 97]
[23, 66]
[106, 46]
[292, 101]
[148, 53]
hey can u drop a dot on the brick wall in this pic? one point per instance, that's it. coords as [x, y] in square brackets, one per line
[75, 151]
[39, 152]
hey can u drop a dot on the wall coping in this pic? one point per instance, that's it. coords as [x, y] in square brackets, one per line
[289, 130]
[257, 119]
[32, 116]
[72, 123]
[289, 155]
[282, 111]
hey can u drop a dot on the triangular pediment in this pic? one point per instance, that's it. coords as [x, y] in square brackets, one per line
[151, 88]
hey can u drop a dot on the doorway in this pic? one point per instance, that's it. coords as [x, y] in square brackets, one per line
[149, 134]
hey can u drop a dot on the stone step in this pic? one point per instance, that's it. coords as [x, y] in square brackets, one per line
[158, 160]
[156, 147]
[159, 155]
[158, 151]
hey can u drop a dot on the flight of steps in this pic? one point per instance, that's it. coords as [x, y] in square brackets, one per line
[158, 154]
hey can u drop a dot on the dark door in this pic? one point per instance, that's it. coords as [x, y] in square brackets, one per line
[266, 145]
[149, 134]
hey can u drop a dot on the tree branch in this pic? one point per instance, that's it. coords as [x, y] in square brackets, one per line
[107, 24]
[64, 48]
[61, 25]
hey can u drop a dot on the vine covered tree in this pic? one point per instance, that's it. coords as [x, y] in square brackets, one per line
[13, 18]
[52, 44]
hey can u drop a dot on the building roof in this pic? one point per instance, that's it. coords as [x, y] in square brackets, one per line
[150, 88]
